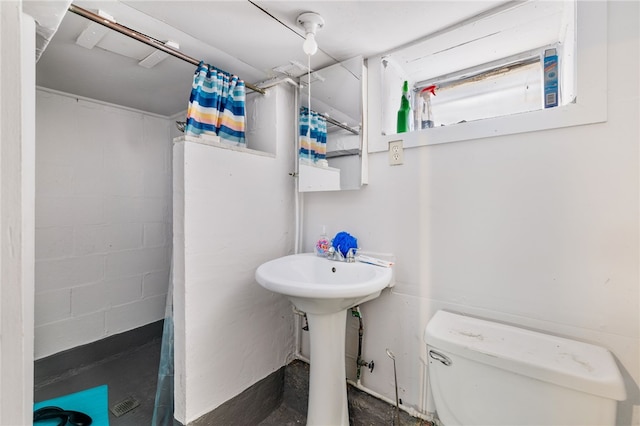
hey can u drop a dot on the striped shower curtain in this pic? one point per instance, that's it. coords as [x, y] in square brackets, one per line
[313, 136]
[216, 105]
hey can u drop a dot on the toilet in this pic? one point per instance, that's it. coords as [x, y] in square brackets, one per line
[487, 373]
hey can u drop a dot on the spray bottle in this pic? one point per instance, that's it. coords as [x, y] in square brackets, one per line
[423, 114]
[404, 113]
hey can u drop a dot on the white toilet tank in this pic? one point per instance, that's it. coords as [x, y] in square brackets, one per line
[487, 373]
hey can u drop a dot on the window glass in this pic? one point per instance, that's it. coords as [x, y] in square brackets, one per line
[579, 33]
[506, 91]
[489, 68]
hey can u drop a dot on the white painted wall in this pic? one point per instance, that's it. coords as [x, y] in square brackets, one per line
[538, 229]
[233, 210]
[103, 220]
[17, 156]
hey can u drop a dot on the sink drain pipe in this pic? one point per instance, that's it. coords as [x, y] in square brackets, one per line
[360, 362]
[300, 316]
[355, 312]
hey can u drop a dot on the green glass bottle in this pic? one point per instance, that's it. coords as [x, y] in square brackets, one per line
[404, 113]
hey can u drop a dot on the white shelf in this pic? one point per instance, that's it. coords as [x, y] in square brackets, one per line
[315, 178]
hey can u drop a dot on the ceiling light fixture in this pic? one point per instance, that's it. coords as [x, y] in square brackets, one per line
[310, 22]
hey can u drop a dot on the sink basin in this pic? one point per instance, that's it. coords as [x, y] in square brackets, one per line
[324, 290]
[317, 285]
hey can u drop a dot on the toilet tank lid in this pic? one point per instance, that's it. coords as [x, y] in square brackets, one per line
[564, 362]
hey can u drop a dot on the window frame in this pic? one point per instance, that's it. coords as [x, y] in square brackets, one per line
[590, 105]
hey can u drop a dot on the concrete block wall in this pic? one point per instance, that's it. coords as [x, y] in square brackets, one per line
[103, 220]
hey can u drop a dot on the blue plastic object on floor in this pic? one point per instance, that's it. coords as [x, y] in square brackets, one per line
[94, 402]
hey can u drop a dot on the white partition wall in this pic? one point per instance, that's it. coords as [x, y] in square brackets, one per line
[17, 151]
[233, 210]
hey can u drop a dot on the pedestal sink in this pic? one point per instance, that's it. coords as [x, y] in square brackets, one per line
[324, 290]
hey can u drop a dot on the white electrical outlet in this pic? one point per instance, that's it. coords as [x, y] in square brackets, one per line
[396, 153]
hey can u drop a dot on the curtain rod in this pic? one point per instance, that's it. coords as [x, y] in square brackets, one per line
[339, 124]
[142, 38]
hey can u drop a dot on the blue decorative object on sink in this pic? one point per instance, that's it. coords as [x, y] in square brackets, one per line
[343, 242]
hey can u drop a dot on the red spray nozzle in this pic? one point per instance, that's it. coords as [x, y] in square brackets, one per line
[431, 89]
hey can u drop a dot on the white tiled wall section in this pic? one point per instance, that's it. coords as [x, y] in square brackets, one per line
[103, 220]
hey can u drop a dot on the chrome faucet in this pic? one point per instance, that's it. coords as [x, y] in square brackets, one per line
[351, 255]
[333, 254]
[336, 254]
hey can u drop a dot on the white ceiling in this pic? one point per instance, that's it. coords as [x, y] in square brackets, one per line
[247, 38]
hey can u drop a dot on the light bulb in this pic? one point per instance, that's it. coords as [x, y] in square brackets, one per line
[310, 47]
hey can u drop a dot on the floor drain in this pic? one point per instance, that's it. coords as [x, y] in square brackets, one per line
[123, 407]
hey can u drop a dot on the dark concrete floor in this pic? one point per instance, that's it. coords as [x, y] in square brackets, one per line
[364, 410]
[284, 416]
[132, 372]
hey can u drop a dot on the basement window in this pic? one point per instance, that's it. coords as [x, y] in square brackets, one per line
[494, 66]
[513, 86]
[489, 74]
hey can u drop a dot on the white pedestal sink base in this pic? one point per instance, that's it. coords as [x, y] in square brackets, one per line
[325, 290]
[327, 382]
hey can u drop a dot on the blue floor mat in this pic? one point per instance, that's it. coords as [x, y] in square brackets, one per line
[93, 402]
